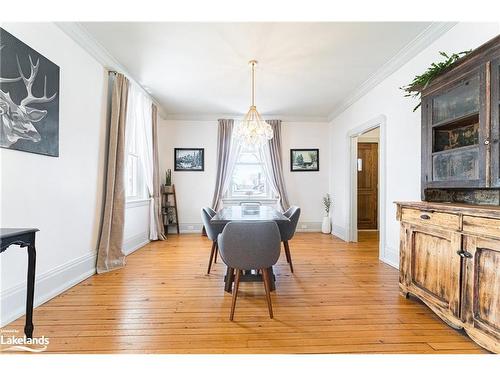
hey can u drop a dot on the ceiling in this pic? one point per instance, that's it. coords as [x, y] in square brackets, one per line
[201, 69]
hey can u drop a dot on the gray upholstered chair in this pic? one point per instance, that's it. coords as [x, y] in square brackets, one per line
[250, 246]
[211, 211]
[212, 230]
[287, 230]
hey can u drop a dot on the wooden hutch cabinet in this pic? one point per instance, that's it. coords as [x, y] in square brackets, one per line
[450, 242]
[460, 131]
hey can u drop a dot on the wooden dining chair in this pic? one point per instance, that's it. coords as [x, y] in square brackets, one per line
[287, 230]
[251, 245]
[212, 230]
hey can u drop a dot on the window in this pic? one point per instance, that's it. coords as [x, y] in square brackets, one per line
[135, 185]
[132, 174]
[249, 180]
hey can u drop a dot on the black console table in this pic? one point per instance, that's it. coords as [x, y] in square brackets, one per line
[24, 237]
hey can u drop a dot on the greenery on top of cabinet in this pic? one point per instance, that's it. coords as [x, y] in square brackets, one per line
[420, 82]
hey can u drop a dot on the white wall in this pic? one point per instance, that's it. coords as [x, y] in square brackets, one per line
[306, 189]
[402, 132]
[195, 189]
[136, 228]
[61, 196]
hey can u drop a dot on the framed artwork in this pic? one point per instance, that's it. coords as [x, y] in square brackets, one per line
[29, 98]
[304, 159]
[189, 159]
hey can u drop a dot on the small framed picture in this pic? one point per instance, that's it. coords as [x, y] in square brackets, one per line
[189, 159]
[304, 160]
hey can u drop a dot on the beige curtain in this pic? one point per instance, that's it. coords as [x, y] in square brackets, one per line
[156, 178]
[227, 150]
[109, 254]
[275, 163]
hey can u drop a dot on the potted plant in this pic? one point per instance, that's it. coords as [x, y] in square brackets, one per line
[167, 188]
[168, 177]
[327, 203]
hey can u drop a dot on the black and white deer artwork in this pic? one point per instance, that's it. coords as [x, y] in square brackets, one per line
[25, 123]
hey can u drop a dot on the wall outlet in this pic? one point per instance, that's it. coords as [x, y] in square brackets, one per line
[303, 226]
[190, 227]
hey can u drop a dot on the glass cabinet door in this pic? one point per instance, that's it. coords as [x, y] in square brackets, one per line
[461, 100]
[454, 129]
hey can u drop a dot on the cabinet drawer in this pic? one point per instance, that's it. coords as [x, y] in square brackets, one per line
[439, 219]
[481, 225]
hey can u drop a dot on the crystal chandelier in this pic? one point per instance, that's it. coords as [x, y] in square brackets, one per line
[253, 130]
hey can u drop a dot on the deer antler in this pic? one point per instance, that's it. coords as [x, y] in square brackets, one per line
[8, 80]
[28, 82]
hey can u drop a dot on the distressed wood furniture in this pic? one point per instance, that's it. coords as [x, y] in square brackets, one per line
[169, 208]
[461, 131]
[24, 237]
[450, 259]
[242, 213]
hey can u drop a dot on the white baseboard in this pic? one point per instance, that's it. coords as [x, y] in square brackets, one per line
[339, 232]
[390, 257]
[309, 226]
[187, 228]
[135, 242]
[47, 286]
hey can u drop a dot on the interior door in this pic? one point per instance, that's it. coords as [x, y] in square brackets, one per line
[367, 185]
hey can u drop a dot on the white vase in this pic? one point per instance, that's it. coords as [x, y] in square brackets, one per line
[325, 226]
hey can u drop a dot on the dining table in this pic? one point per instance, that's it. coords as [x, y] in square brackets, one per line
[250, 213]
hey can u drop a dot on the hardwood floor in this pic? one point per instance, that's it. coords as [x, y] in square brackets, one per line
[341, 299]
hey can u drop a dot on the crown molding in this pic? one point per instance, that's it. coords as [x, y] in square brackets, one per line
[239, 116]
[417, 45]
[85, 40]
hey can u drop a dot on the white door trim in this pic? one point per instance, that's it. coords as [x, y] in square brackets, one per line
[352, 222]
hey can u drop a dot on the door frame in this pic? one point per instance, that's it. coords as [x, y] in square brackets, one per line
[352, 222]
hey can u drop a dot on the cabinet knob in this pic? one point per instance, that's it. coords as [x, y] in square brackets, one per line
[425, 217]
[486, 142]
[464, 254]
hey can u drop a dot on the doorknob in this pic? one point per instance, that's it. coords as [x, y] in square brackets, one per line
[360, 164]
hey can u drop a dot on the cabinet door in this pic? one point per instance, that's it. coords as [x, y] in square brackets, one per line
[481, 307]
[434, 268]
[495, 123]
[455, 132]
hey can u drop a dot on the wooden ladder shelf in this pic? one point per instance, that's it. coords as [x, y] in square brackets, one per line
[169, 208]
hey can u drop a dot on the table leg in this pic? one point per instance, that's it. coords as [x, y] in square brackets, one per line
[228, 286]
[28, 328]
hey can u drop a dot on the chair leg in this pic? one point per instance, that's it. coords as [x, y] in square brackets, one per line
[286, 253]
[216, 251]
[211, 258]
[266, 277]
[235, 293]
[288, 256]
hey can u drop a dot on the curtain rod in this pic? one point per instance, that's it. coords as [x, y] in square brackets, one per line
[147, 94]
